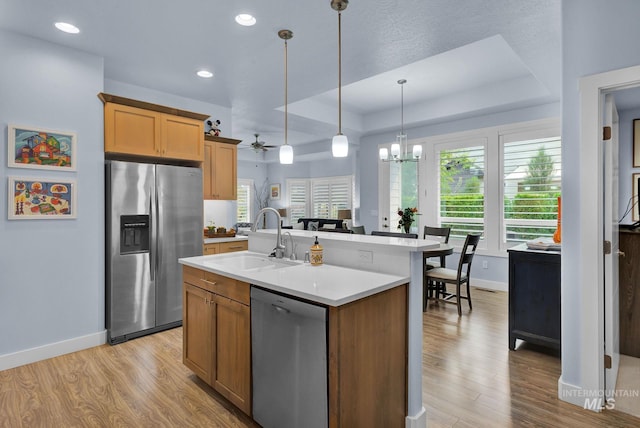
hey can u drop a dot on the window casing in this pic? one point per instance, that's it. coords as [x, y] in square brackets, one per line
[243, 206]
[493, 213]
[319, 197]
[532, 172]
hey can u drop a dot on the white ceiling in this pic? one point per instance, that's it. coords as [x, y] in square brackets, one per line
[460, 57]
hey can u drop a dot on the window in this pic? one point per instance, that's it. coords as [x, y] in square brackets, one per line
[298, 195]
[398, 189]
[403, 190]
[503, 182]
[532, 172]
[319, 197]
[462, 172]
[243, 212]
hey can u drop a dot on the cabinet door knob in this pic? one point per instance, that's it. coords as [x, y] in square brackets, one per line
[620, 253]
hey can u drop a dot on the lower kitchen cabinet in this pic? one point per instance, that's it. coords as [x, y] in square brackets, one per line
[217, 333]
[225, 247]
[232, 369]
[197, 342]
[367, 349]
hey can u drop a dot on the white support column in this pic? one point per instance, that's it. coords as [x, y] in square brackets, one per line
[416, 416]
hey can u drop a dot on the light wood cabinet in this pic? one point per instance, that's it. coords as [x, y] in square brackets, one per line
[367, 361]
[219, 170]
[362, 390]
[231, 375]
[137, 128]
[225, 247]
[197, 311]
[217, 333]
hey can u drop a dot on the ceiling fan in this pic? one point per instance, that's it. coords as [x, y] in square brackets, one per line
[258, 146]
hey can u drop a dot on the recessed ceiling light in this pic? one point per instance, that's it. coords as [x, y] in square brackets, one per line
[67, 28]
[204, 73]
[245, 19]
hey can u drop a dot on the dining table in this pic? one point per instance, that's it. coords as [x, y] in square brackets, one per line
[441, 251]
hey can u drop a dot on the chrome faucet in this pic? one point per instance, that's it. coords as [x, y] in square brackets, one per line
[278, 251]
[292, 256]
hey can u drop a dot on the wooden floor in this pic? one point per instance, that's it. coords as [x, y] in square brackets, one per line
[470, 379]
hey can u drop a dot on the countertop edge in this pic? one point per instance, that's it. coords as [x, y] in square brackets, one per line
[227, 239]
[399, 280]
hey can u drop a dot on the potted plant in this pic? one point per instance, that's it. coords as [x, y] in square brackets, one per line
[211, 229]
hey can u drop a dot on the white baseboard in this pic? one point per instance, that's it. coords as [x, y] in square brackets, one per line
[28, 356]
[417, 421]
[489, 285]
[576, 395]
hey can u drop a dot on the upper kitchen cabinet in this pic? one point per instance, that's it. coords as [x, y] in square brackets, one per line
[219, 169]
[134, 127]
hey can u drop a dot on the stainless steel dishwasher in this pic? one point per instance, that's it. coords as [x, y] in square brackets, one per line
[289, 361]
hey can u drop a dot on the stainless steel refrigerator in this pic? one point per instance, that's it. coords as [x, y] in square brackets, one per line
[153, 217]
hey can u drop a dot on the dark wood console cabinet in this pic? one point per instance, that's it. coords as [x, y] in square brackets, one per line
[534, 297]
[629, 289]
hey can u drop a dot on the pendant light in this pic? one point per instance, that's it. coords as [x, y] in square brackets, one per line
[399, 148]
[340, 143]
[286, 151]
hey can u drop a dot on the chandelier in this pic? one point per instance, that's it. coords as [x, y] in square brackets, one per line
[399, 152]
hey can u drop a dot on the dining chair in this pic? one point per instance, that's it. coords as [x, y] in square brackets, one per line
[436, 276]
[440, 234]
[358, 230]
[395, 234]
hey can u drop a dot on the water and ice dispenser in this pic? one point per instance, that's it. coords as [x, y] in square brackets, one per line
[134, 234]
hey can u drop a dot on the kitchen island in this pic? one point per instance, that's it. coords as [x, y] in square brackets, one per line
[374, 321]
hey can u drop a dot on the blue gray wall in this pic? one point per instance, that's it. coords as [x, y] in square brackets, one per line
[52, 271]
[597, 36]
[626, 169]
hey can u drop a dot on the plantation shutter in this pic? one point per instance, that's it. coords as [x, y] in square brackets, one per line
[532, 172]
[462, 190]
[243, 213]
[298, 198]
[330, 195]
[340, 191]
[320, 195]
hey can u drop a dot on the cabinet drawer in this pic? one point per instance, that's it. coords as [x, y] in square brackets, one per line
[227, 247]
[211, 249]
[193, 276]
[227, 287]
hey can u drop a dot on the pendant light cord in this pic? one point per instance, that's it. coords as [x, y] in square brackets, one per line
[285, 92]
[339, 73]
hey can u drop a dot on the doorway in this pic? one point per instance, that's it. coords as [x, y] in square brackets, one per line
[592, 263]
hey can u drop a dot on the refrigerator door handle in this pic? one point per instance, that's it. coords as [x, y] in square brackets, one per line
[158, 215]
[152, 229]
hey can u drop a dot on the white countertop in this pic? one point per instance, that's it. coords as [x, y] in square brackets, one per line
[330, 285]
[227, 239]
[406, 244]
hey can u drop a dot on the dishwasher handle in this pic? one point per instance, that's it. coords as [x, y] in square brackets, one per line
[280, 309]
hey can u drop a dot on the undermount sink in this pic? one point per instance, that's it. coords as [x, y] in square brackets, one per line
[252, 262]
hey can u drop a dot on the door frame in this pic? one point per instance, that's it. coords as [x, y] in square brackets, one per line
[591, 272]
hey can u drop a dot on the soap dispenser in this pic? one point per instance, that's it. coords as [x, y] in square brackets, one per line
[316, 253]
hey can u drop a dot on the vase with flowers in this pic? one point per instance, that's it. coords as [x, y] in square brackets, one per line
[406, 218]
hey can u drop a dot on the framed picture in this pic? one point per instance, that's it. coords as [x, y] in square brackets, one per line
[41, 148]
[41, 198]
[635, 216]
[636, 143]
[274, 193]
